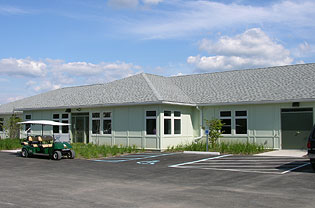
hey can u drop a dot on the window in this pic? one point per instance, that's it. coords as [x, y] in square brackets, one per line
[167, 122]
[28, 126]
[151, 122]
[1, 124]
[241, 122]
[226, 119]
[96, 123]
[172, 123]
[107, 123]
[177, 122]
[56, 119]
[65, 119]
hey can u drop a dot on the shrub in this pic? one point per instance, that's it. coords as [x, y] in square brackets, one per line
[223, 147]
[10, 144]
[89, 151]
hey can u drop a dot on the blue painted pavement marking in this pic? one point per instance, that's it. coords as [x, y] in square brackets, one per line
[148, 162]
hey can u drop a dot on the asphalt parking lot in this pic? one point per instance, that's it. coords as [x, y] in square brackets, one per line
[156, 180]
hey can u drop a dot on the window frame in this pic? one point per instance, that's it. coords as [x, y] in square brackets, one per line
[96, 119]
[57, 120]
[28, 119]
[180, 122]
[171, 121]
[65, 119]
[107, 119]
[145, 122]
[241, 117]
[227, 117]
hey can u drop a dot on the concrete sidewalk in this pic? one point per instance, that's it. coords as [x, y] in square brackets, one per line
[285, 153]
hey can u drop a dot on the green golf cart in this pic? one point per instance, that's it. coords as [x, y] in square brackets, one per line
[56, 147]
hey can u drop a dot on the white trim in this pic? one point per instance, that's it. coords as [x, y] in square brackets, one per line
[258, 102]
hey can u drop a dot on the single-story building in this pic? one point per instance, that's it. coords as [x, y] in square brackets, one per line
[271, 106]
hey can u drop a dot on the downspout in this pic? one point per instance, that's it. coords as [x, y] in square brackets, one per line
[200, 125]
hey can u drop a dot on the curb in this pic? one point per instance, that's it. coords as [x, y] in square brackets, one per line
[201, 153]
[11, 151]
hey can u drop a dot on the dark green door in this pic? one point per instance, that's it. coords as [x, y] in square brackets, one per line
[296, 125]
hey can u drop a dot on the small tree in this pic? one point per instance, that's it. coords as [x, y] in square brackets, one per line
[215, 126]
[11, 126]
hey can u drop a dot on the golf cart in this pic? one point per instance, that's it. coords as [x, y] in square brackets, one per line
[54, 146]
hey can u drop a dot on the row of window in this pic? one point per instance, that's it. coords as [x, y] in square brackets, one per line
[240, 122]
[172, 122]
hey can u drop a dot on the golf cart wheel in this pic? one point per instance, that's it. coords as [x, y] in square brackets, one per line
[71, 154]
[56, 155]
[24, 153]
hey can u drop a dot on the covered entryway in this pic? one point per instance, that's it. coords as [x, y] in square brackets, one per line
[296, 125]
[80, 127]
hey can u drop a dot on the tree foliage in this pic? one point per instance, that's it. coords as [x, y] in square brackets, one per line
[215, 126]
[11, 127]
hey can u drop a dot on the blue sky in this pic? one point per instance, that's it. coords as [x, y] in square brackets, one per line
[48, 44]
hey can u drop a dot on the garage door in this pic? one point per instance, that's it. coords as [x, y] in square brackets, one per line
[296, 125]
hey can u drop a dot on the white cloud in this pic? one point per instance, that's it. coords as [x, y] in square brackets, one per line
[11, 10]
[22, 67]
[303, 50]
[51, 74]
[152, 1]
[186, 18]
[12, 99]
[251, 49]
[123, 3]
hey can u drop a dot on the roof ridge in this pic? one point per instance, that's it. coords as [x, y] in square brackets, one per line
[155, 92]
[236, 70]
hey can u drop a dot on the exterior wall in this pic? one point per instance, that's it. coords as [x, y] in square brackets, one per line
[263, 122]
[189, 126]
[128, 125]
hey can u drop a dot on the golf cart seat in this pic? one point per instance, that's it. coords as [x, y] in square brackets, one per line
[47, 145]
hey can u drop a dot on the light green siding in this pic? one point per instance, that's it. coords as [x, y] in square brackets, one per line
[189, 126]
[263, 120]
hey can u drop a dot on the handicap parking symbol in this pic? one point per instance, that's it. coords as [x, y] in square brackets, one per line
[148, 162]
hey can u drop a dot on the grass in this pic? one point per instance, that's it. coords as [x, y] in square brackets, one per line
[89, 151]
[10, 144]
[223, 148]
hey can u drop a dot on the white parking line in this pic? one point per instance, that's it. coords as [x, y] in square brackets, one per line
[270, 165]
[186, 163]
[295, 168]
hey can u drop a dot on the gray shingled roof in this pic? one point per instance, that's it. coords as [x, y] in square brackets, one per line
[281, 83]
[276, 84]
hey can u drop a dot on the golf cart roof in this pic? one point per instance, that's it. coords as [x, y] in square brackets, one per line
[44, 122]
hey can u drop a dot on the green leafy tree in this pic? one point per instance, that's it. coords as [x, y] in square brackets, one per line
[11, 126]
[215, 126]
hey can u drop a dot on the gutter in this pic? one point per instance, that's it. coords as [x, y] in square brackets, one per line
[201, 124]
[106, 105]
